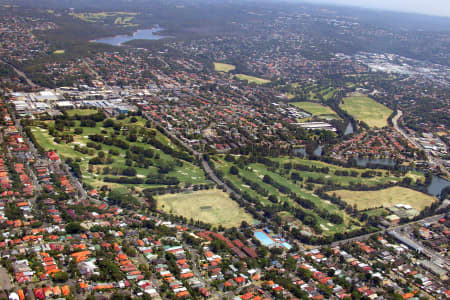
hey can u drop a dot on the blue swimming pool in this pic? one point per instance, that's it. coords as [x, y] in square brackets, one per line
[264, 239]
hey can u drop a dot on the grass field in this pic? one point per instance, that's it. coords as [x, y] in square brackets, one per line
[251, 79]
[317, 109]
[123, 20]
[210, 206]
[221, 67]
[386, 198]
[59, 52]
[118, 18]
[80, 112]
[367, 110]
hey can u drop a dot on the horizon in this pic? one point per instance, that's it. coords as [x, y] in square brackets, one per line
[438, 8]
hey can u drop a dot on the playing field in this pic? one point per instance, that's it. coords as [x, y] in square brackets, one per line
[81, 112]
[59, 52]
[317, 109]
[386, 198]
[211, 206]
[220, 67]
[367, 110]
[251, 79]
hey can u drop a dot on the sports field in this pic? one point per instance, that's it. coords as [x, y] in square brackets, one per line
[251, 79]
[81, 112]
[317, 109]
[59, 52]
[210, 206]
[367, 110]
[221, 67]
[386, 198]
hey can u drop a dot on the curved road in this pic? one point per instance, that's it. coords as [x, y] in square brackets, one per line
[197, 154]
[417, 145]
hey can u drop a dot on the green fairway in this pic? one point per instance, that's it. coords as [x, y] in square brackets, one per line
[317, 109]
[308, 91]
[221, 67]
[367, 110]
[255, 173]
[251, 79]
[386, 198]
[210, 206]
[94, 174]
[303, 177]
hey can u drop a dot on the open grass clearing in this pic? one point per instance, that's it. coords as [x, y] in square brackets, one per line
[251, 79]
[386, 198]
[59, 51]
[221, 67]
[210, 206]
[365, 109]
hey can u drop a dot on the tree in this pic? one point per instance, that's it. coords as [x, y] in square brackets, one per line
[61, 277]
[74, 227]
[290, 264]
[273, 199]
[234, 170]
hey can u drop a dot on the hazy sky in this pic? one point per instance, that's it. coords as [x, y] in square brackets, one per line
[429, 7]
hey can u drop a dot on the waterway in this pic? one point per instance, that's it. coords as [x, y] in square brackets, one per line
[300, 152]
[142, 34]
[437, 185]
[349, 129]
[318, 151]
[363, 162]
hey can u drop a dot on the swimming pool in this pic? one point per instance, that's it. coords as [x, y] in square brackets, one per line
[264, 239]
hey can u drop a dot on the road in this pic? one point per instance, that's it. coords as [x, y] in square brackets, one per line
[62, 165]
[194, 259]
[431, 219]
[92, 71]
[395, 123]
[208, 170]
[219, 182]
[434, 256]
[416, 144]
[22, 74]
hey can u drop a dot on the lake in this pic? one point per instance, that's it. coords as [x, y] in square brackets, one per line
[142, 34]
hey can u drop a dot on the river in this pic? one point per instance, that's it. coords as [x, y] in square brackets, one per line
[363, 162]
